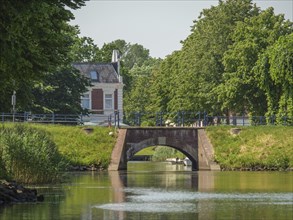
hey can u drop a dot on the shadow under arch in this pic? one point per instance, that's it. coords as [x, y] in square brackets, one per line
[140, 146]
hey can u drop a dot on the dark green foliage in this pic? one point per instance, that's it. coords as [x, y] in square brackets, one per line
[28, 155]
[188, 78]
[237, 60]
[243, 87]
[274, 68]
[60, 92]
[35, 38]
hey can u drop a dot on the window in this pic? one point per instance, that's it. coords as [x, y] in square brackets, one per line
[108, 101]
[85, 101]
[94, 75]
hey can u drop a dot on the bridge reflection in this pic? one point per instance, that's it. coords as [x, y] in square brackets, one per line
[176, 178]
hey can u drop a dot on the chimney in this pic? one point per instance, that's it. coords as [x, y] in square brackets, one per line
[116, 59]
[115, 56]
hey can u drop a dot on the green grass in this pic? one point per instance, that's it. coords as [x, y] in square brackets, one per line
[80, 147]
[76, 146]
[36, 152]
[147, 151]
[264, 147]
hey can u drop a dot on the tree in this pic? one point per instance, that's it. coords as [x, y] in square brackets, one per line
[135, 55]
[34, 38]
[139, 98]
[85, 50]
[240, 90]
[191, 75]
[60, 92]
[274, 69]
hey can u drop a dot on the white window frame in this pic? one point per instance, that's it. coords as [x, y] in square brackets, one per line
[107, 99]
[94, 76]
[82, 98]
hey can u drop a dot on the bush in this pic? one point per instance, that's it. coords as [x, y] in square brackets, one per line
[28, 155]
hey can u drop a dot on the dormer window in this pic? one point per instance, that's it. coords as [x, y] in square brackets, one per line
[94, 76]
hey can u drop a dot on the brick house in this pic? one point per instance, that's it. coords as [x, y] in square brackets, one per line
[105, 95]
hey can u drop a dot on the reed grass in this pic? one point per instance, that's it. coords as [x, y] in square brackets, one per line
[28, 155]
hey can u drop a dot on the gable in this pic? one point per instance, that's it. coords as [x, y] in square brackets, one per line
[106, 73]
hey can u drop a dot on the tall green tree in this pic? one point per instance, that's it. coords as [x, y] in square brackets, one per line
[35, 37]
[131, 55]
[85, 50]
[241, 91]
[190, 76]
[59, 92]
[139, 98]
[274, 69]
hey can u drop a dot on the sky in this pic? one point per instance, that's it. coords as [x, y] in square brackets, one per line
[158, 25]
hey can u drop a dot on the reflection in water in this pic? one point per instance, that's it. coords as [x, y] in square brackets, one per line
[128, 201]
[153, 191]
[118, 182]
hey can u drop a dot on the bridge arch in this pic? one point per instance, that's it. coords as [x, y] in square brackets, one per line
[192, 142]
[135, 148]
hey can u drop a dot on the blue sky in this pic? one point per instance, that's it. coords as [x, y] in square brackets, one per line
[158, 25]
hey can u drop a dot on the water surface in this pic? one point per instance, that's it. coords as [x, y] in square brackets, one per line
[162, 191]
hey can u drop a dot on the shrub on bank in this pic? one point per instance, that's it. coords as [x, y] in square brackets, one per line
[28, 155]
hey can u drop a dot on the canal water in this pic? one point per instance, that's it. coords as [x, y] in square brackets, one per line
[149, 191]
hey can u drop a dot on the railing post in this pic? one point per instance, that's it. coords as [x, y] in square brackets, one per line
[53, 118]
[178, 118]
[243, 119]
[110, 119]
[118, 118]
[182, 118]
[234, 120]
[137, 118]
[199, 123]
[204, 119]
[285, 120]
[2, 116]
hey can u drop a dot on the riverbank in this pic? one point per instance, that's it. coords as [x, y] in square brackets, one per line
[253, 148]
[11, 192]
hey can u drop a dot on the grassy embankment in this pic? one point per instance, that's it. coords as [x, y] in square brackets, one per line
[31, 153]
[255, 148]
[36, 153]
[81, 148]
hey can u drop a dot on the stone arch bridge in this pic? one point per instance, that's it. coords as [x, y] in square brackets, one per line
[192, 142]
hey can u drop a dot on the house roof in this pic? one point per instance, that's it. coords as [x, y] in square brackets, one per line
[106, 72]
